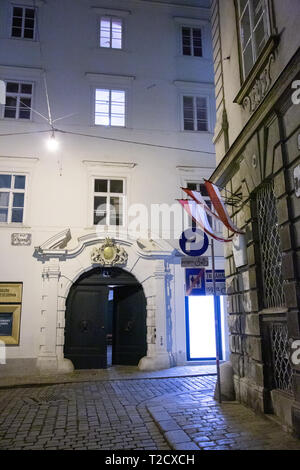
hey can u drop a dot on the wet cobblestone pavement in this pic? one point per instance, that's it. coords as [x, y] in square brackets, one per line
[91, 415]
[150, 414]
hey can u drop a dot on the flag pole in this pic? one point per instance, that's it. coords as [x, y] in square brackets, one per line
[216, 321]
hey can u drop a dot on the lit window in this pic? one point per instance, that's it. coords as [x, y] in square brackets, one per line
[108, 201]
[12, 198]
[110, 108]
[18, 100]
[191, 41]
[111, 33]
[195, 114]
[23, 22]
[254, 30]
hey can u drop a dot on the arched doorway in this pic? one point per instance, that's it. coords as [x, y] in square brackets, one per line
[105, 320]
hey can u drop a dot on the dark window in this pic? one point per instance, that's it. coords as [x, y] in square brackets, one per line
[23, 22]
[108, 202]
[12, 198]
[18, 100]
[270, 248]
[192, 41]
[101, 186]
[116, 186]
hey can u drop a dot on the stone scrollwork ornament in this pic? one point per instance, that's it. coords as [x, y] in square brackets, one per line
[109, 254]
[260, 88]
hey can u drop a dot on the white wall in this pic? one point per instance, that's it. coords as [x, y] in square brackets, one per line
[58, 193]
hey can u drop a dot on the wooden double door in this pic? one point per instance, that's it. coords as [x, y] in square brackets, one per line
[94, 319]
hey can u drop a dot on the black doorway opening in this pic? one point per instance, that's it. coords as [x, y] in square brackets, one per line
[105, 320]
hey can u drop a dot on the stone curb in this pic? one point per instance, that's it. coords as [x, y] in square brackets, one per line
[173, 434]
[36, 381]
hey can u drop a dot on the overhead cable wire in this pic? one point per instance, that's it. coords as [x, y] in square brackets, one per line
[147, 144]
[23, 133]
[38, 37]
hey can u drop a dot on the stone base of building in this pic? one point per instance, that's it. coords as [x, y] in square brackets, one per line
[282, 405]
[249, 393]
[157, 362]
[295, 412]
[53, 365]
[19, 367]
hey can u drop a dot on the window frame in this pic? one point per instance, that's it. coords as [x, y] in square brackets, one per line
[23, 22]
[195, 96]
[266, 20]
[111, 18]
[11, 192]
[110, 90]
[191, 28]
[108, 195]
[19, 82]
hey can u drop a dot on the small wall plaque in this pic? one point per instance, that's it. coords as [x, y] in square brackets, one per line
[21, 239]
[194, 262]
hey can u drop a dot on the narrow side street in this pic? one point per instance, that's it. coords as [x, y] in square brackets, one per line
[151, 414]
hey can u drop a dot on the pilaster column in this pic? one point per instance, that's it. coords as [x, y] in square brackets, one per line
[159, 357]
[47, 359]
[161, 318]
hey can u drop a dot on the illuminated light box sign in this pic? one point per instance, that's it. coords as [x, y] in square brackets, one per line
[10, 312]
[200, 282]
[10, 293]
[6, 324]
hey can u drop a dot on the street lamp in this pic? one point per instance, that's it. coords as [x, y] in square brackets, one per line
[52, 143]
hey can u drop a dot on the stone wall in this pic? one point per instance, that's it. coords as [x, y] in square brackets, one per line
[271, 154]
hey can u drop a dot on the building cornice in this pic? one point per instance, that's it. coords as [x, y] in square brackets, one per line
[193, 85]
[111, 11]
[172, 4]
[16, 162]
[56, 246]
[112, 78]
[94, 163]
[190, 21]
[21, 69]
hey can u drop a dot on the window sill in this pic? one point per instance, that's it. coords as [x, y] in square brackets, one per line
[189, 57]
[108, 228]
[12, 225]
[273, 311]
[110, 49]
[7, 119]
[23, 39]
[256, 70]
[196, 132]
[102, 126]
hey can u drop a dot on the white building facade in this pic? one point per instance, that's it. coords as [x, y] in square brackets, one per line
[125, 89]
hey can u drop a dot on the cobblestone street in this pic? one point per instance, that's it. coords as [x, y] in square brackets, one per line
[151, 414]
